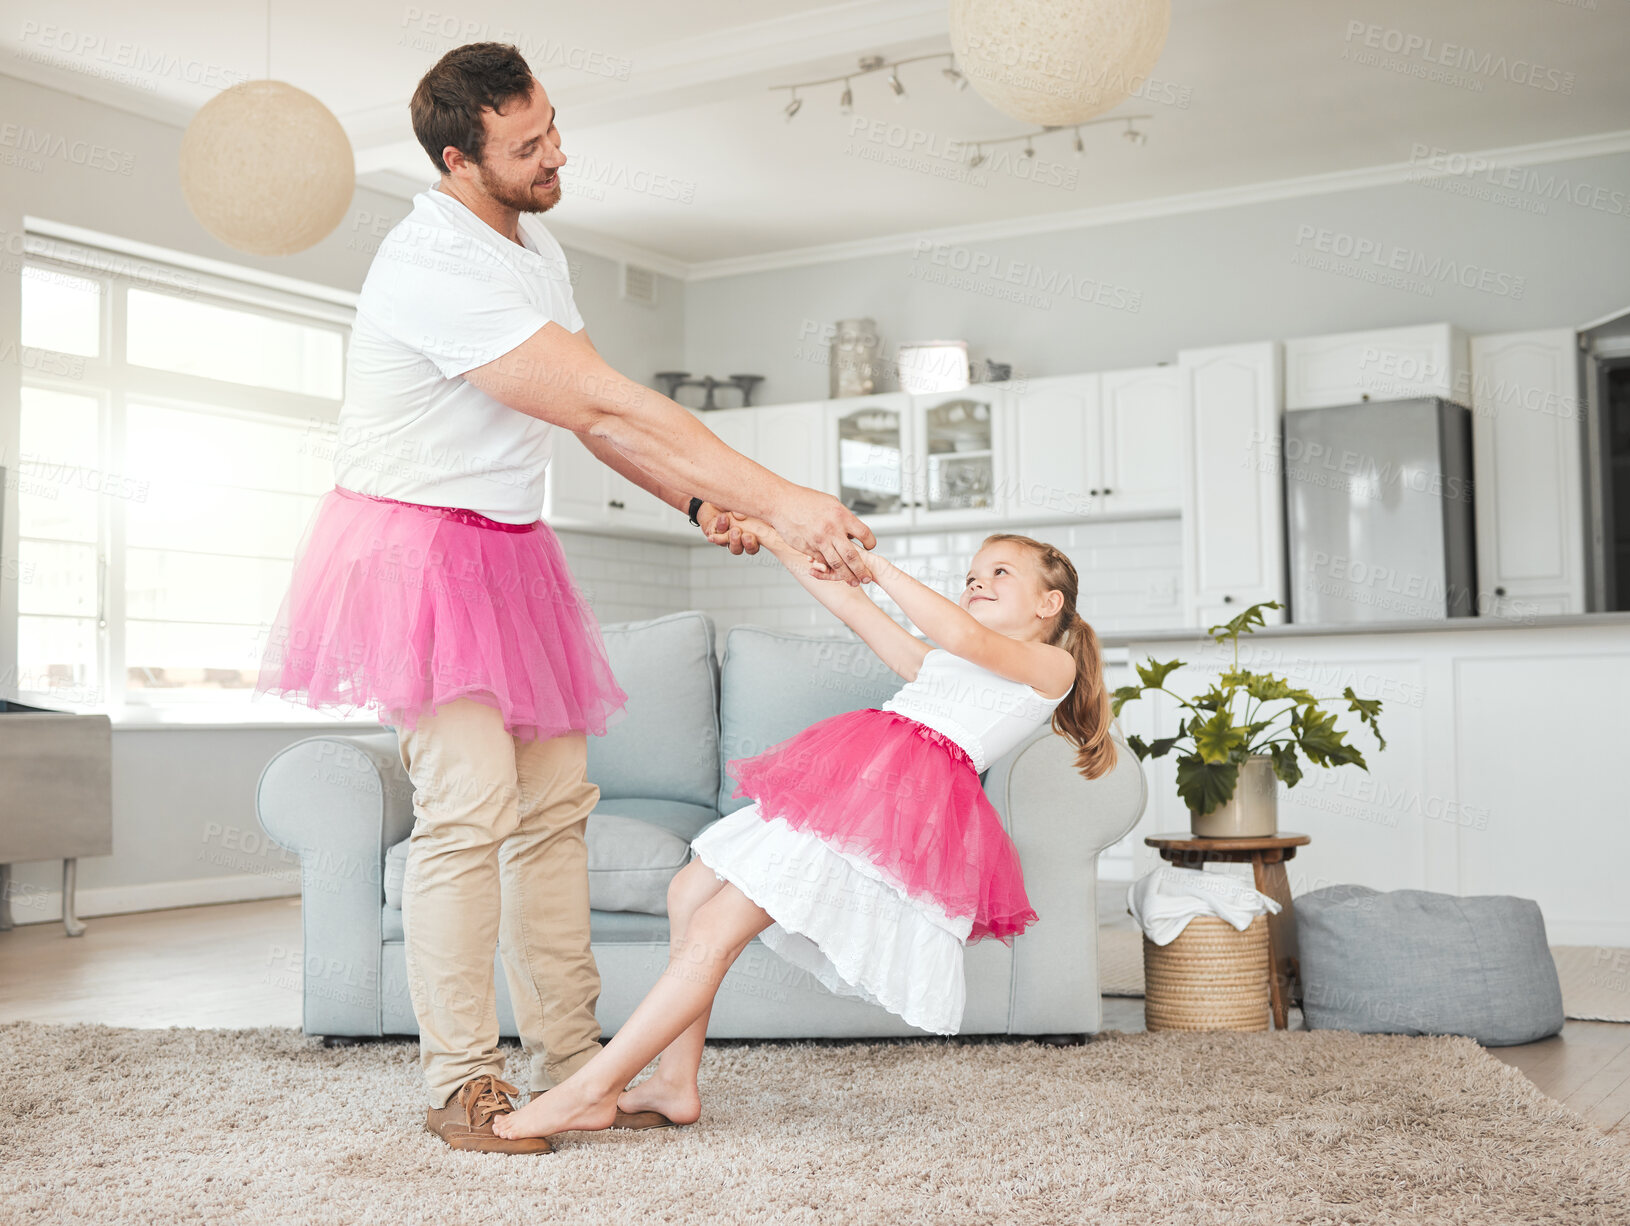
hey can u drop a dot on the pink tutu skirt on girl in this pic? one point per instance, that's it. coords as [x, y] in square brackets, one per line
[400, 608]
[907, 798]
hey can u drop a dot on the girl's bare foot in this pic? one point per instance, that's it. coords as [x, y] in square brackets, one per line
[562, 1109]
[681, 1104]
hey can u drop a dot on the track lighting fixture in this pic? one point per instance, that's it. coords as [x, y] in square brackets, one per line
[868, 64]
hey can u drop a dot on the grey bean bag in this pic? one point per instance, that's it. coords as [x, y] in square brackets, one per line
[1415, 962]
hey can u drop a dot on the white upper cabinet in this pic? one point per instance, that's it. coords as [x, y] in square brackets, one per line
[961, 449]
[1055, 448]
[1527, 448]
[791, 440]
[1101, 444]
[870, 458]
[1390, 364]
[1233, 511]
[1144, 415]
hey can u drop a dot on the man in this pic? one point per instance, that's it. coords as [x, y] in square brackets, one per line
[467, 348]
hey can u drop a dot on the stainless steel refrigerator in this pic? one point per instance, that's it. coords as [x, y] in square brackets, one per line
[1378, 512]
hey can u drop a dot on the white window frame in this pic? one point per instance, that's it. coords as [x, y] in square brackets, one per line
[119, 266]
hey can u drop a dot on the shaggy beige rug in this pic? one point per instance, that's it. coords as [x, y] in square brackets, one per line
[1595, 981]
[267, 1126]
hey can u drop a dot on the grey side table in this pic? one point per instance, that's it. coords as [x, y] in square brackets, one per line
[56, 796]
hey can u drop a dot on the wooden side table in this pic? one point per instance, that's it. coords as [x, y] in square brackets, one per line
[1267, 858]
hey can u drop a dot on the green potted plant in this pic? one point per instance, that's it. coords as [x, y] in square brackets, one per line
[1242, 734]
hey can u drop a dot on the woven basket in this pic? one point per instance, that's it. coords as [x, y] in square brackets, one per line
[1211, 977]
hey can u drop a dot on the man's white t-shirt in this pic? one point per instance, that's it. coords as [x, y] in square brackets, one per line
[447, 293]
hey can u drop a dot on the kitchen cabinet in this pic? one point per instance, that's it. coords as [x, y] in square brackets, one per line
[789, 439]
[1099, 444]
[1386, 364]
[1144, 414]
[870, 458]
[960, 451]
[1528, 495]
[1233, 506]
[1056, 447]
[902, 461]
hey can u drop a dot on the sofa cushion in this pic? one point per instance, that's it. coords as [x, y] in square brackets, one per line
[1416, 962]
[684, 819]
[777, 682]
[395, 866]
[630, 864]
[667, 743]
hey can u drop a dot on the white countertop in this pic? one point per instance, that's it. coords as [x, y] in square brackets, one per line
[1582, 621]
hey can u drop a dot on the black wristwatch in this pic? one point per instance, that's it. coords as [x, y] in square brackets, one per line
[695, 506]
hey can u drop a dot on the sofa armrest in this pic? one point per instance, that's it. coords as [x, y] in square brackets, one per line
[338, 802]
[1060, 823]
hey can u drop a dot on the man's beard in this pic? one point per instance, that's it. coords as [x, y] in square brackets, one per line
[521, 199]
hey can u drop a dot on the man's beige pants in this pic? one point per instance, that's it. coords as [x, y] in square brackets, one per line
[497, 858]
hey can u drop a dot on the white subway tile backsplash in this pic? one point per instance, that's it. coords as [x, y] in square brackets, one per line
[1131, 575]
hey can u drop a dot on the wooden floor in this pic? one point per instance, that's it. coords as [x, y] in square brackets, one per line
[238, 965]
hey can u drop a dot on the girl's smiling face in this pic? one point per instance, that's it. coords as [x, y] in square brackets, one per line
[1004, 592]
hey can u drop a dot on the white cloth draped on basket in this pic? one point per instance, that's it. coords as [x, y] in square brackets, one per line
[1165, 899]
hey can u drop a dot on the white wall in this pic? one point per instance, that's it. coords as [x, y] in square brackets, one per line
[1210, 278]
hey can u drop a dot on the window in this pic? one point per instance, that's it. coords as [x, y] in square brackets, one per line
[175, 435]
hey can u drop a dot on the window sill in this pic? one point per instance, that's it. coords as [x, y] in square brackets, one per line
[205, 716]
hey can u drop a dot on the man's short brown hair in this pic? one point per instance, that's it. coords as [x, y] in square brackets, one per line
[448, 102]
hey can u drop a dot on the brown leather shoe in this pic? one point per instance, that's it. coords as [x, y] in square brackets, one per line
[466, 1121]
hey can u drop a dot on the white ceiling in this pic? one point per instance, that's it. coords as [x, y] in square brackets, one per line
[1247, 92]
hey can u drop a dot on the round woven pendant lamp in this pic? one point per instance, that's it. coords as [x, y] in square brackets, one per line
[1057, 62]
[266, 168]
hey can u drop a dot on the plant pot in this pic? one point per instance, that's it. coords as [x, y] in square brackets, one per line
[1252, 811]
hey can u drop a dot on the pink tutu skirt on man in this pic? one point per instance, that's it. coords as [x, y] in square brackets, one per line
[400, 608]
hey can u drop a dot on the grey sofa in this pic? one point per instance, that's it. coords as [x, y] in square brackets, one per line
[344, 804]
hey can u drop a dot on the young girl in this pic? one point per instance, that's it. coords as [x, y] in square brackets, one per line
[871, 855]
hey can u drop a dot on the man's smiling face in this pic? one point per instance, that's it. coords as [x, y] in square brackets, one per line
[520, 163]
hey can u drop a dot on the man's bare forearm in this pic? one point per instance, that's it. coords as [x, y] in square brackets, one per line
[618, 462]
[556, 376]
[666, 440]
[559, 377]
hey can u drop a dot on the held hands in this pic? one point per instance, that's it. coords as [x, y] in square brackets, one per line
[749, 528]
[728, 528]
[822, 528]
[831, 539]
